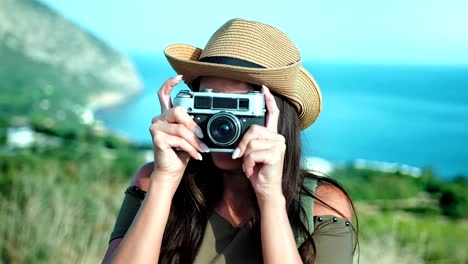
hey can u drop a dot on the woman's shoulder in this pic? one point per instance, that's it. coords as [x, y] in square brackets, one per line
[332, 200]
[141, 178]
[330, 197]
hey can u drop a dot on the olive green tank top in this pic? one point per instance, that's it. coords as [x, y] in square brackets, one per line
[223, 243]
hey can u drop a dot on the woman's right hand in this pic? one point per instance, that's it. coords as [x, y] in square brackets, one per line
[175, 138]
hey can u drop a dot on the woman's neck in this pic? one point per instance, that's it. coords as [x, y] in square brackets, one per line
[238, 204]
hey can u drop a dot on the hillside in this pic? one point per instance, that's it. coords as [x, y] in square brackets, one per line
[51, 69]
[60, 192]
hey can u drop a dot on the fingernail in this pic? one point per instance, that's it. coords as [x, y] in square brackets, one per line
[235, 154]
[200, 156]
[243, 169]
[178, 77]
[266, 88]
[198, 132]
[205, 148]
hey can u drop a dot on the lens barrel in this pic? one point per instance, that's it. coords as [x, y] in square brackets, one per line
[224, 129]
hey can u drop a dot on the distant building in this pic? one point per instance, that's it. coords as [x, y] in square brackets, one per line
[87, 117]
[20, 137]
[318, 165]
[391, 167]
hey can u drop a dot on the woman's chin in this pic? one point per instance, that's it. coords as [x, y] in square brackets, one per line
[224, 161]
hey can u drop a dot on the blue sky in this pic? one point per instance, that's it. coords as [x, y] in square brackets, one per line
[398, 31]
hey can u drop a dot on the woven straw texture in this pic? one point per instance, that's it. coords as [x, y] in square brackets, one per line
[260, 44]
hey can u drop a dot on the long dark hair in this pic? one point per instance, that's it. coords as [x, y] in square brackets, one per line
[198, 192]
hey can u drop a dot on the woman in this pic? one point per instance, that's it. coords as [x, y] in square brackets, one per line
[254, 204]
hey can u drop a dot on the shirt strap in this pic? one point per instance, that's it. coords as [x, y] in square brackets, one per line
[307, 203]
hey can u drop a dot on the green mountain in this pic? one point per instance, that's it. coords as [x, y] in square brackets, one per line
[51, 70]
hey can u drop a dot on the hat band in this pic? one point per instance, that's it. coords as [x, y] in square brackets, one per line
[230, 61]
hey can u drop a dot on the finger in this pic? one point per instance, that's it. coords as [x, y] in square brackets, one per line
[272, 110]
[258, 157]
[254, 132]
[164, 93]
[261, 144]
[178, 115]
[275, 149]
[163, 141]
[182, 131]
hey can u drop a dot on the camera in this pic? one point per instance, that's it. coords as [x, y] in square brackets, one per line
[223, 117]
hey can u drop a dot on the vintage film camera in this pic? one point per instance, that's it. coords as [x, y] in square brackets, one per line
[223, 117]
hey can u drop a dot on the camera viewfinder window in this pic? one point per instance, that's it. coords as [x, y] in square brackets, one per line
[224, 103]
[243, 104]
[202, 102]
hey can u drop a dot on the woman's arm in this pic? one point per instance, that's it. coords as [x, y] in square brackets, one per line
[142, 243]
[263, 149]
[143, 239]
[173, 129]
[129, 209]
[278, 242]
[333, 235]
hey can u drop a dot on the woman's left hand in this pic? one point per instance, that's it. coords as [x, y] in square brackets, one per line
[262, 149]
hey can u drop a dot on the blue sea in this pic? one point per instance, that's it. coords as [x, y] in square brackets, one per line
[407, 114]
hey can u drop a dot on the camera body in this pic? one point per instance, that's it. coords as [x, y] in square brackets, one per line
[224, 118]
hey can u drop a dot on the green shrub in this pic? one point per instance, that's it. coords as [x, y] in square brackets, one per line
[454, 198]
[371, 185]
[60, 202]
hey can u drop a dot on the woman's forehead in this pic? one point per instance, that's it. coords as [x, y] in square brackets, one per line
[224, 85]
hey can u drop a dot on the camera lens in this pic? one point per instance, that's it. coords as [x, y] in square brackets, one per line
[224, 129]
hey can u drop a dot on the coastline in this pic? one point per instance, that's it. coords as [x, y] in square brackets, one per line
[109, 99]
[106, 99]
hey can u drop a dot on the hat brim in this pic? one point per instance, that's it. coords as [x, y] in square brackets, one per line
[293, 81]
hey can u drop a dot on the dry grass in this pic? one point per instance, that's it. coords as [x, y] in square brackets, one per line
[51, 218]
[387, 250]
[50, 223]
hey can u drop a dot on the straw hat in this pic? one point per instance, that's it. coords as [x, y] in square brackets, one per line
[256, 53]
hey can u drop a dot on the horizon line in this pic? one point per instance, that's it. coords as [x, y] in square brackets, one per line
[342, 61]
